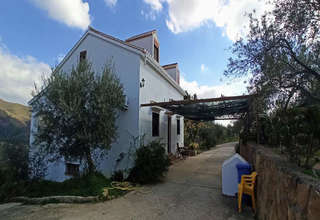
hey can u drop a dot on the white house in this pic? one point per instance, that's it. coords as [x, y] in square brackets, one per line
[144, 80]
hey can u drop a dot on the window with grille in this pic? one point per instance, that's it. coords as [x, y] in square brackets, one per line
[156, 53]
[83, 55]
[72, 169]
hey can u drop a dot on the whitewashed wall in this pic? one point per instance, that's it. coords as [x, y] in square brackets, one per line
[146, 43]
[131, 68]
[127, 66]
[158, 89]
[173, 73]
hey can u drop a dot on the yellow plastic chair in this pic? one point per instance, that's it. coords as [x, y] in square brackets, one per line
[246, 186]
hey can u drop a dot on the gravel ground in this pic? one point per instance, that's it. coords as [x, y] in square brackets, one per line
[191, 190]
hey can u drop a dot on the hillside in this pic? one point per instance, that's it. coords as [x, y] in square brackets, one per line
[14, 122]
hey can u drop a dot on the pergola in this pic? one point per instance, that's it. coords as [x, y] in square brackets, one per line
[222, 108]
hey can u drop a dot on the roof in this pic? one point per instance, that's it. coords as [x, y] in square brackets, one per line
[131, 47]
[170, 66]
[208, 109]
[139, 36]
[116, 39]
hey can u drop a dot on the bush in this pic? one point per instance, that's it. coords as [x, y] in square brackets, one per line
[117, 176]
[13, 169]
[194, 146]
[296, 131]
[208, 138]
[151, 163]
[87, 185]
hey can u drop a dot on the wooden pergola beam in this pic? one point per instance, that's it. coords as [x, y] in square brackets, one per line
[188, 102]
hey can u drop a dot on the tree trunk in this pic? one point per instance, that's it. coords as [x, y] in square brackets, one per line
[308, 154]
[91, 166]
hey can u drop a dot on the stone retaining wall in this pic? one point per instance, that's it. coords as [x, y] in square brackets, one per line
[283, 191]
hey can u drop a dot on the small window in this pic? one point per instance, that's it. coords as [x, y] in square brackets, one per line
[155, 124]
[178, 126]
[156, 53]
[83, 55]
[72, 169]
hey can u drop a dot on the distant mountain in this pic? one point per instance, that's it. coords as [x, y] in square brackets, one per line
[14, 122]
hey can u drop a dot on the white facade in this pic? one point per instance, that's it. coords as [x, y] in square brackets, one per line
[132, 66]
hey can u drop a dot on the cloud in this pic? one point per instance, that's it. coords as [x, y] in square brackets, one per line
[203, 68]
[230, 15]
[154, 4]
[18, 75]
[74, 13]
[232, 88]
[149, 15]
[110, 3]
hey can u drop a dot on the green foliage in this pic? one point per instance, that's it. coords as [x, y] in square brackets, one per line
[87, 185]
[281, 52]
[13, 169]
[297, 131]
[208, 134]
[118, 176]
[151, 163]
[78, 112]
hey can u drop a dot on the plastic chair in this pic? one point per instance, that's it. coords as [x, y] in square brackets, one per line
[246, 186]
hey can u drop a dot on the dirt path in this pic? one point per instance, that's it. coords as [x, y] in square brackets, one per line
[192, 190]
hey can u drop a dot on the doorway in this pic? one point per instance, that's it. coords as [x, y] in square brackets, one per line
[169, 134]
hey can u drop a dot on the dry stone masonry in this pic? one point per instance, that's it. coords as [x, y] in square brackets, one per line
[283, 191]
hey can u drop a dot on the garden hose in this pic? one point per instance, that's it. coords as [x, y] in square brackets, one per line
[124, 186]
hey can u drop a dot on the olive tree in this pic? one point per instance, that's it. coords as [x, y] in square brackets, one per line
[281, 52]
[78, 112]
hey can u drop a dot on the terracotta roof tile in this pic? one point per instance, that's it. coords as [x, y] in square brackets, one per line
[146, 34]
[169, 66]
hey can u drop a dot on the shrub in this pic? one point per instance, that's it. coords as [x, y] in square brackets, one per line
[151, 163]
[297, 131]
[208, 138]
[117, 176]
[194, 146]
[13, 169]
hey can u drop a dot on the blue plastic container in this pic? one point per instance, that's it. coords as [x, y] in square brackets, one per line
[243, 168]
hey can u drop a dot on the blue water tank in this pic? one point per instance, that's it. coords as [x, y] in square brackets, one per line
[243, 168]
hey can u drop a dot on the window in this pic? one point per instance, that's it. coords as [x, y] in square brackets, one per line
[155, 124]
[83, 55]
[156, 53]
[72, 169]
[178, 126]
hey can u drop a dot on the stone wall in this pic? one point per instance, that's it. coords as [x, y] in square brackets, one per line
[283, 191]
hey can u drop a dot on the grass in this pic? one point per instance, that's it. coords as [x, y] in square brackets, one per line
[90, 185]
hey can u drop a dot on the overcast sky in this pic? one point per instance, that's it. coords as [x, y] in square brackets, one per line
[36, 34]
